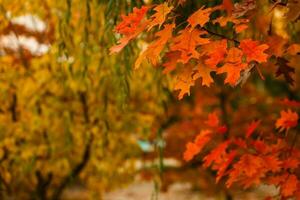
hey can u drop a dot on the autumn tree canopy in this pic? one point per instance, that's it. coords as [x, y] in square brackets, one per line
[246, 54]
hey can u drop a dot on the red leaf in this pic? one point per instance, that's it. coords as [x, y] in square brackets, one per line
[251, 128]
[289, 186]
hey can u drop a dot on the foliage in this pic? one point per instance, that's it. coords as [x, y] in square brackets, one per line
[205, 43]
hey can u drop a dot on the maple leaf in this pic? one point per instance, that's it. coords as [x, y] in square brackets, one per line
[161, 12]
[289, 186]
[285, 70]
[152, 53]
[272, 163]
[288, 119]
[214, 57]
[130, 27]
[184, 81]
[203, 138]
[171, 63]
[200, 17]
[186, 43]
[191, 150]
[216, 155]
[224, 165]
[248, 170]
[194, 148]
[233, 66]
[251, 128]
[254, 51]
[250, 164]
[203, 72]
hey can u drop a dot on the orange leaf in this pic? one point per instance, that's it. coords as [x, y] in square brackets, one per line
[288, 119]
[186, 42]
[203, 72]
[233, 66]
[130, 27]
[200, 17]
[191, 150]
[216, 155]
[254, 51]
[184, 81]
[215, 56]
[152, 53]
[171, 64]
[162, 10]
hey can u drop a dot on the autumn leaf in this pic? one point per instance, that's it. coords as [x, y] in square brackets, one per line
[254, 51]
[172, 60]
[161, 12]
[203, 72]
[194, 148]
[216, 155]
[288, 119]
[184, 81]
[130, 27]
[186, 43]
[289, 186]
[248, 170]
[152, 53]
[200, 17]
[272, 163]
[224, 165]
[191, 150]
[215, 57]
[251, 128]
[233, 66]
[285, 70]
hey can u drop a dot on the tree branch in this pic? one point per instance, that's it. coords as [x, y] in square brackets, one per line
[75, 171]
